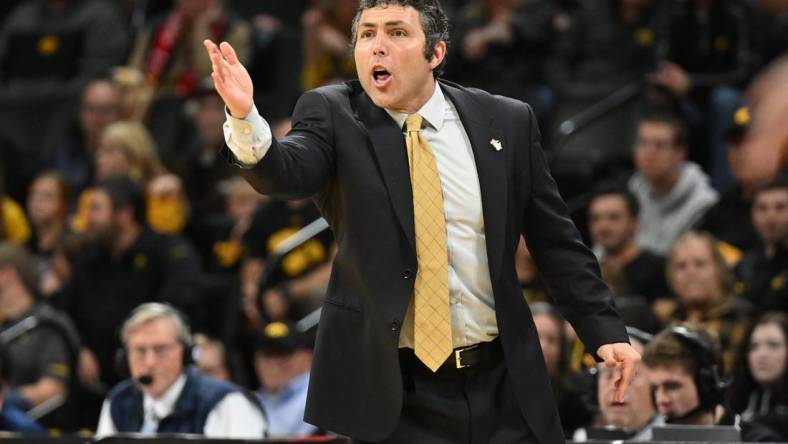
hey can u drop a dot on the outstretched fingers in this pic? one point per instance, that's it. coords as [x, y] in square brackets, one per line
[229, 53]
[627, 369]
[221, 74]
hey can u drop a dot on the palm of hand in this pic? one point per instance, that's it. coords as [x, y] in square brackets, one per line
[231, 79]
[239, 91]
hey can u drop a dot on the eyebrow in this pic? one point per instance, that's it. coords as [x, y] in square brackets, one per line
[390, 23]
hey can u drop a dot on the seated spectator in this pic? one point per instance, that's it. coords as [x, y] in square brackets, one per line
[292, 286]
[278, 53]
[201, 165]
[684, 372]
[762, 274]
[629, 270]
[502, 47]
[328, 56]
[42, 341]
[65, 255]
[51, 48]
[127, 149]
[703, 286]
[164, 394]
[12, 418]
[673, 193]
[168, 60]
[708, 55]
[637, 414]
[759, 389]
[283, 359]
[729, 219]
[125, 265]
[568, 386]
[73, 157]
[47, 208]
[219, 237]
[608, 45]
[211, 357]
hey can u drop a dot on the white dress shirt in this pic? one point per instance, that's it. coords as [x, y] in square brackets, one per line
[232, 417]
[470, 289]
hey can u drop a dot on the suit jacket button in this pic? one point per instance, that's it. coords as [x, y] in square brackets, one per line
[407, 274]
[394, 325]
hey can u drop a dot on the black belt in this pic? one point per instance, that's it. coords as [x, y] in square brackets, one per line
[463, 357]
[472, 355]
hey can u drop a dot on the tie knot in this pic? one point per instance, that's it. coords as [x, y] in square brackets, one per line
[413, 122]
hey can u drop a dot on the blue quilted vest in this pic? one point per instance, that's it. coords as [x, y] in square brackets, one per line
[199, 396]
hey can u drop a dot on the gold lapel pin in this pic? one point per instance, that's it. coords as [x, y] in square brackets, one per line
[496, 144]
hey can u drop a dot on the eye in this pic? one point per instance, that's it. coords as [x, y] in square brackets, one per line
[399, 33]
[366, 34]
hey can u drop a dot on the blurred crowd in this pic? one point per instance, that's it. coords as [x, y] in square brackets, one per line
[664, 123]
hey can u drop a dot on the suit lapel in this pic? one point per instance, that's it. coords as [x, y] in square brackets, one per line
[491, 169]
[388, 147]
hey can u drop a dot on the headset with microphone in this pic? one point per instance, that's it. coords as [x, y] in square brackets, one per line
[708, 380]
[184, 337]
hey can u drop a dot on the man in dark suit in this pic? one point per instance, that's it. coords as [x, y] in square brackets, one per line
[384, 369]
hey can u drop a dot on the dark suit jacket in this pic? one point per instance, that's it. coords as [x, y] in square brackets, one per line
[350, 156]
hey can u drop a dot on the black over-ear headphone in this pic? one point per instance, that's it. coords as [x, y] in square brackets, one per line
[709, 381]
[184, 336]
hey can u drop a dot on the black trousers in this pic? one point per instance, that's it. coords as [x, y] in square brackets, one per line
[473, 405]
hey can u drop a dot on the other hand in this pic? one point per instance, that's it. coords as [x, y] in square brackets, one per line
[620, 354]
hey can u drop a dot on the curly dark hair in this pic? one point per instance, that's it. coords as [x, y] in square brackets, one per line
[433, 21]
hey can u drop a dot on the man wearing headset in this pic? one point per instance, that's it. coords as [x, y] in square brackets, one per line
[165, 394]
[684, 372]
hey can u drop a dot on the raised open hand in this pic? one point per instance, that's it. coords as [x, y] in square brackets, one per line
[231, 79]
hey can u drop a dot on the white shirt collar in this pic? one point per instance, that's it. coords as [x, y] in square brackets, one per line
[163, 406]
[432, 112]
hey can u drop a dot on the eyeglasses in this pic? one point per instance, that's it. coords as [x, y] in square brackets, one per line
[158, 350]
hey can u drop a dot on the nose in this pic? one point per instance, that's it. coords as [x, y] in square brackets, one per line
[661, 400]
[379, 46]
[150, 359]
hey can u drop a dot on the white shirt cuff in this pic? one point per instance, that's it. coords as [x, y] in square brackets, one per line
[248, 138]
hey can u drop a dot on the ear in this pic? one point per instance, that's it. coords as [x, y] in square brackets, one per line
[682, 151]
[438, 54]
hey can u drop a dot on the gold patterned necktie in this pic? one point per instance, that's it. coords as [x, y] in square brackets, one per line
[432, 320]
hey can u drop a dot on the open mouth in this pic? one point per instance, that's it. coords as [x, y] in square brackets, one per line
[380, 75]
